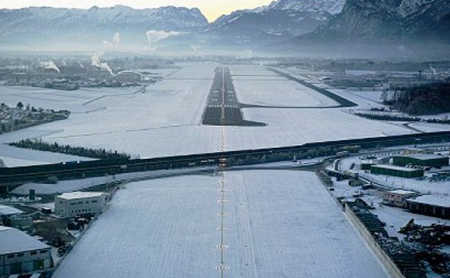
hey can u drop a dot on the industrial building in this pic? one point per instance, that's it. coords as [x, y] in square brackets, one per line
[430, 160]
[80, 203]
[397, 171]
[433, 205]
[22, 254]
[398, 197]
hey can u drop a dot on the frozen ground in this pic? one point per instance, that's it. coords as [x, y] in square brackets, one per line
[275, 224]
[166, 120]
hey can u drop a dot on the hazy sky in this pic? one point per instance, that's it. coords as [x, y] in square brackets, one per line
[210, 8]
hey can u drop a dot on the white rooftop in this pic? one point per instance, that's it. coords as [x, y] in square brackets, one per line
[6, 210]
[421, 156]
[435, 200]
[402, 192]
[80, 195]
[393, 167]
[15, 241]
[369, 161]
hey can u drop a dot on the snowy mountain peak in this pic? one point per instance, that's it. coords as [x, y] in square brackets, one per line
[329, 6]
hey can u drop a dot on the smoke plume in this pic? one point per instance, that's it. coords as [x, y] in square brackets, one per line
[50, 65]
[96, 62]
[115, 41]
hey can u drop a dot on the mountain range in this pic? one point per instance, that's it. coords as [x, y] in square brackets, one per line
[280, 18]
[282, 22]
[388, 20]
[44, 25]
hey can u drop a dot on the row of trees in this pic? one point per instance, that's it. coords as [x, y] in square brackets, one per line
[398, 118]
[66, 149]
[423, 100]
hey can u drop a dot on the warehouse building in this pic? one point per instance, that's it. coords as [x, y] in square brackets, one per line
[396, 171]
[80, 203]
[433, 205]
[430, 160]
[398, 198]
[21, 254]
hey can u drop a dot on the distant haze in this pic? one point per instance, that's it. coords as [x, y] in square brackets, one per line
[212, 9]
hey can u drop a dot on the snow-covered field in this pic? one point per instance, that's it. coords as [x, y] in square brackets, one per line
[167, 119]
[265, 87]
[64, 186]
[427, 127]
[276, 224]
[298, 126]
[364, 98]
[13, 157]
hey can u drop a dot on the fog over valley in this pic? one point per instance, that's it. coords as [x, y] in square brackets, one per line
[259, 139]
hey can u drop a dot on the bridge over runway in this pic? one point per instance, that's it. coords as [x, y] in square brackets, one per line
[17, 175]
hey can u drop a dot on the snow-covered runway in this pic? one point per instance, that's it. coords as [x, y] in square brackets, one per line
[275, 224]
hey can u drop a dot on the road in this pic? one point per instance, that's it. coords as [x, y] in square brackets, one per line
[229, 158]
